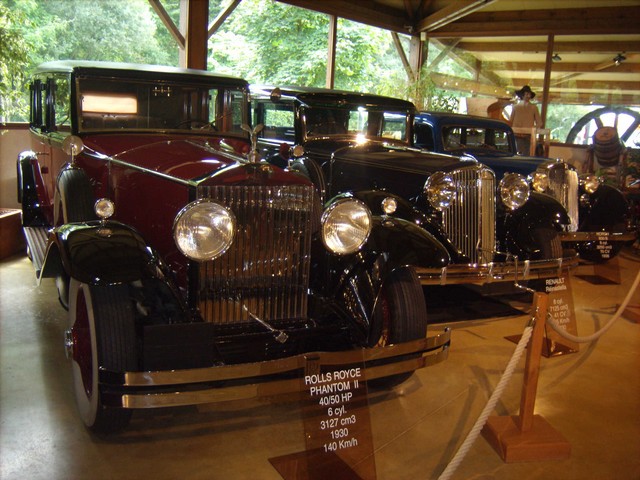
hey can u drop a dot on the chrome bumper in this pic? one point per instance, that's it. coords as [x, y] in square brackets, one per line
[244, 381]
[496, 272]
[597, 236]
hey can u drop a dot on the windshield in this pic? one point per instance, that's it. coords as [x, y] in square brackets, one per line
[119, 104]
[356, 121]
[465, 138]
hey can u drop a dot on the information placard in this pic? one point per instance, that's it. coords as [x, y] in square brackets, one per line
[562, 313]
[337, 426]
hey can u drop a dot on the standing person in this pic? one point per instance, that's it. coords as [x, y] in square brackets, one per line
[525, 115]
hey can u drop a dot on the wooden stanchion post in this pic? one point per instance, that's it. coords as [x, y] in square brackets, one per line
[528, 437]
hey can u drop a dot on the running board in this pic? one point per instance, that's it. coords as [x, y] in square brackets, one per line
[37, 243]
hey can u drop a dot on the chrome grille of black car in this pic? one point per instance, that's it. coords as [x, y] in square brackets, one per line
[265, 272]
[470, 221]
[563, 186]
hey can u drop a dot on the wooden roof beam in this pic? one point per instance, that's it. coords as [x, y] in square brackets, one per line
[168, 22]
[568, 21]
[453, 12]
[536, 84]
[559, 67]
[217, 23]
[370, 13]
[595, 46]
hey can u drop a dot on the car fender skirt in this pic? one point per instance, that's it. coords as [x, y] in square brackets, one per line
[99, 253]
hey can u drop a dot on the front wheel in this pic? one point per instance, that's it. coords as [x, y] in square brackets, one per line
[400, 315]
[101, 334]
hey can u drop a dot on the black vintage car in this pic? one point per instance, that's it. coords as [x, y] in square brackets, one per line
[599, 212]
[361, 145]
[193, 271]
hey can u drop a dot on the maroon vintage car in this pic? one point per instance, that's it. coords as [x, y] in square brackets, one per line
[193, 271]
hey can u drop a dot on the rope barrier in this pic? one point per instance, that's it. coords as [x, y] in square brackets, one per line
[506, 376]
[568, 336]
[493, 400]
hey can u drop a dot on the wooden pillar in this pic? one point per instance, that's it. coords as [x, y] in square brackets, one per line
[196, 35]
[547, 81]
[416, 55]
[331, 52]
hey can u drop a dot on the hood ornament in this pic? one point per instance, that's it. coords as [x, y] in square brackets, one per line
[254, 155]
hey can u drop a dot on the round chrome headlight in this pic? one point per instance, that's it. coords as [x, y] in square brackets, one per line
[346, 225]
[514, 190]
[204, 230]
[440, 190]
[591, 183]
[540, 182]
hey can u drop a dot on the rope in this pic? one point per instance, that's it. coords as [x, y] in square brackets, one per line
[568, 336]
[506, 376]
[493, 400]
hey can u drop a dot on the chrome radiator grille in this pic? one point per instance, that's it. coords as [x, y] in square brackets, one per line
[563, 186]
[265, 272]
[470, 221]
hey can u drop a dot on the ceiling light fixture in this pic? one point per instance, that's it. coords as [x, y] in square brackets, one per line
[556, 57]
[618, 59]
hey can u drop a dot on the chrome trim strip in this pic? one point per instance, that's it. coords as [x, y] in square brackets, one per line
[481, 274]
[149, 389]
[279, 387]
[270, 367]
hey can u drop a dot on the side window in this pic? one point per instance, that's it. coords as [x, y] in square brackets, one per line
[501, 140]
[56, 105]
[216, 105]
[394, 127]
[62, 106]
[452, 138]
[238, 110]
[424, 136]
[475, 137]
[278, 120]
[226, 110]
[358, 120]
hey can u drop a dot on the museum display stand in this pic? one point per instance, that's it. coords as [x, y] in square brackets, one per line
[528, 437]
[561, 311]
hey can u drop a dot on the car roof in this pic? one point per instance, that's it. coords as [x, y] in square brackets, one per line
[332, 97]
[461, 119]
[80, 67]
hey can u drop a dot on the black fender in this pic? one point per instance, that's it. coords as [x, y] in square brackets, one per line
[406, 211]
[99, 253]
[606, 210]
[515, 229]
[357, 292]
[32, 215]
[393, 244]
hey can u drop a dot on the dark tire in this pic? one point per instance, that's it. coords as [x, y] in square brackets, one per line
[102, 334]
[400, 316]
[549, 243]
[74, 197]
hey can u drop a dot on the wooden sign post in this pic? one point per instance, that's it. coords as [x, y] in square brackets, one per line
[528, 437]
[337, 426]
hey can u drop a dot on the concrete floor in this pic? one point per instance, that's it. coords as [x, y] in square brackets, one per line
[591, 397]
